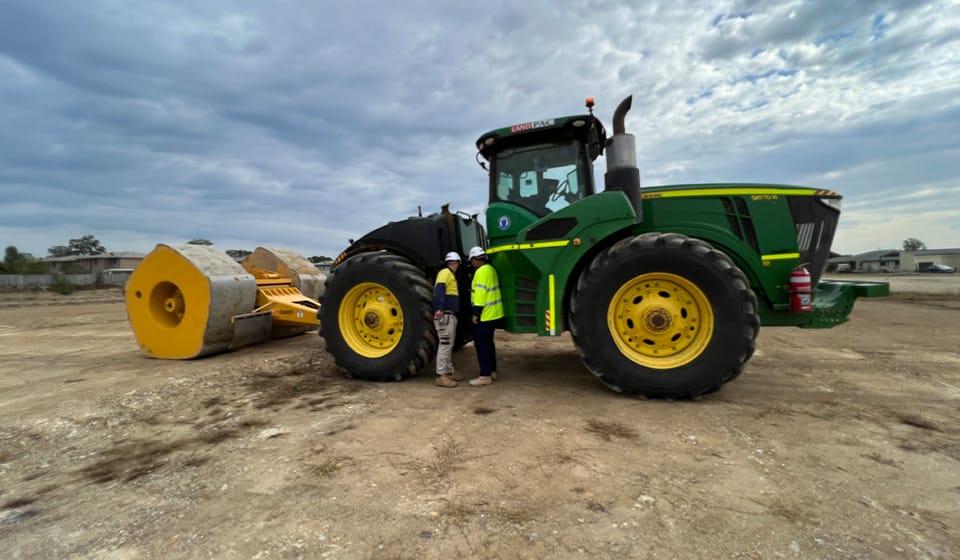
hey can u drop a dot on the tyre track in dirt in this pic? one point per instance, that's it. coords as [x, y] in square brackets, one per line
[832, 444]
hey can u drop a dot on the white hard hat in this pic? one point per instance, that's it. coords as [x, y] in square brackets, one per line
[452, 256]
[477, 252]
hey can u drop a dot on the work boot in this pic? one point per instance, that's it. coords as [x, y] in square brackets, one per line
[481, 381]
[446, 381]
[457, 376]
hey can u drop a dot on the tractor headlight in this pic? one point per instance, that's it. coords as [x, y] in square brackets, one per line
[832, 202]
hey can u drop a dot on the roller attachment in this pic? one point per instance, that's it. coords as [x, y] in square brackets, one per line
[187, 301]
[181, 299]
[302, 274]
[285, 280]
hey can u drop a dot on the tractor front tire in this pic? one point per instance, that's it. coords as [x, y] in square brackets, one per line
[664, 315]
[375, 317]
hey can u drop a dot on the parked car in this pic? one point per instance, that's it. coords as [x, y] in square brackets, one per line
[939, 268]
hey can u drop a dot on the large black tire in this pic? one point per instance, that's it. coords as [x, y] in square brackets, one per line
[376, 319]
[664, 315]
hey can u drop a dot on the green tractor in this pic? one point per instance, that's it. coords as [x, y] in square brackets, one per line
[662, 288]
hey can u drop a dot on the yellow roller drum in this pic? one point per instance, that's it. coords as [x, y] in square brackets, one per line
[181, 301]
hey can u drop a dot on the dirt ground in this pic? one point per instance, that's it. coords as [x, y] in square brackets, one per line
[840, 443]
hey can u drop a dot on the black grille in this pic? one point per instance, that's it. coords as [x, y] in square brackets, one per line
[526, 297]
[526, 309]
[740, 222]
[749, 233]
[526, 283]
[815, 223]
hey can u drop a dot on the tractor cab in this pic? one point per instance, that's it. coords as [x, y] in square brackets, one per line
[543, 166]
[539, 170]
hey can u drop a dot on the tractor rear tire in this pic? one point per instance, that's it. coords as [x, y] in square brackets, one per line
[376, 317]
[664, 315]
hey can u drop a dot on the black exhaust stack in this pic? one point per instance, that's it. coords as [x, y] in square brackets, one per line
[622, 173]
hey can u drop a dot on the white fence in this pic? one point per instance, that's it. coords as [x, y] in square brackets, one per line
[39, 281]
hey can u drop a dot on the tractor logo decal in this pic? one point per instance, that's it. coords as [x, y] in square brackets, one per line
[503, 222]
[531, 125]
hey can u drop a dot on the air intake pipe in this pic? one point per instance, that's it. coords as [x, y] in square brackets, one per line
[622, 173]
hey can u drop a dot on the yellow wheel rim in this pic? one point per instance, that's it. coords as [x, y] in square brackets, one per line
[660, 320]
[371, 320]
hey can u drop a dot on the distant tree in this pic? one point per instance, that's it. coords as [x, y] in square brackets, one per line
[200, 242]
[10, 256]
[319, 259]
[59, 251]
[86, 245]
[913, 244]
[15, 262]
[238, 253]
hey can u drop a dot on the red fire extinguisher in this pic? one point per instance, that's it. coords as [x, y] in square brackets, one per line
[801, 293]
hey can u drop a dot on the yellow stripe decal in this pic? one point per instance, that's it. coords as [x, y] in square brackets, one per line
[780, 257]
[737, 192]
[553, 315]
[525, 246]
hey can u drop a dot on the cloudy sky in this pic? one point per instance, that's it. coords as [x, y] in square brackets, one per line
[303, 124]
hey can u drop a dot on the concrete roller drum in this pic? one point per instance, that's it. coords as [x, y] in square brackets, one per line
[302, 273]
[187, 301]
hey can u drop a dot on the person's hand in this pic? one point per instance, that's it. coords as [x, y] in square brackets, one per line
[475, 321]
[438, 315]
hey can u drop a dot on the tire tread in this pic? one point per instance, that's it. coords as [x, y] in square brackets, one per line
[416, 354]
[717, 260]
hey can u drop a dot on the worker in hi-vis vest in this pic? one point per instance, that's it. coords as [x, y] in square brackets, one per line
[487, 312]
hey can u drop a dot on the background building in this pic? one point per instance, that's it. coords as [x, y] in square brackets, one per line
[916, 261]
[80, 264]
[892, 260]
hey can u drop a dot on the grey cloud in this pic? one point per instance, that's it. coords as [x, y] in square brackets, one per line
[793, 22]
[309, 123]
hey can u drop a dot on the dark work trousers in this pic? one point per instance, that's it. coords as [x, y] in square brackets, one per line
[486, 349]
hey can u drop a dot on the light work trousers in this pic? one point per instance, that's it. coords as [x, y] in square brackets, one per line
[447, 332]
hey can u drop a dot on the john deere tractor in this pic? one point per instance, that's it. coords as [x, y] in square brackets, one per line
[663, 288]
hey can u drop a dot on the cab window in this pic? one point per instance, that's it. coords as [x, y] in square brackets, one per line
[542, 178]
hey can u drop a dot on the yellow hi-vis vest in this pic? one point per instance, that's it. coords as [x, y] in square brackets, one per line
[486, 293]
